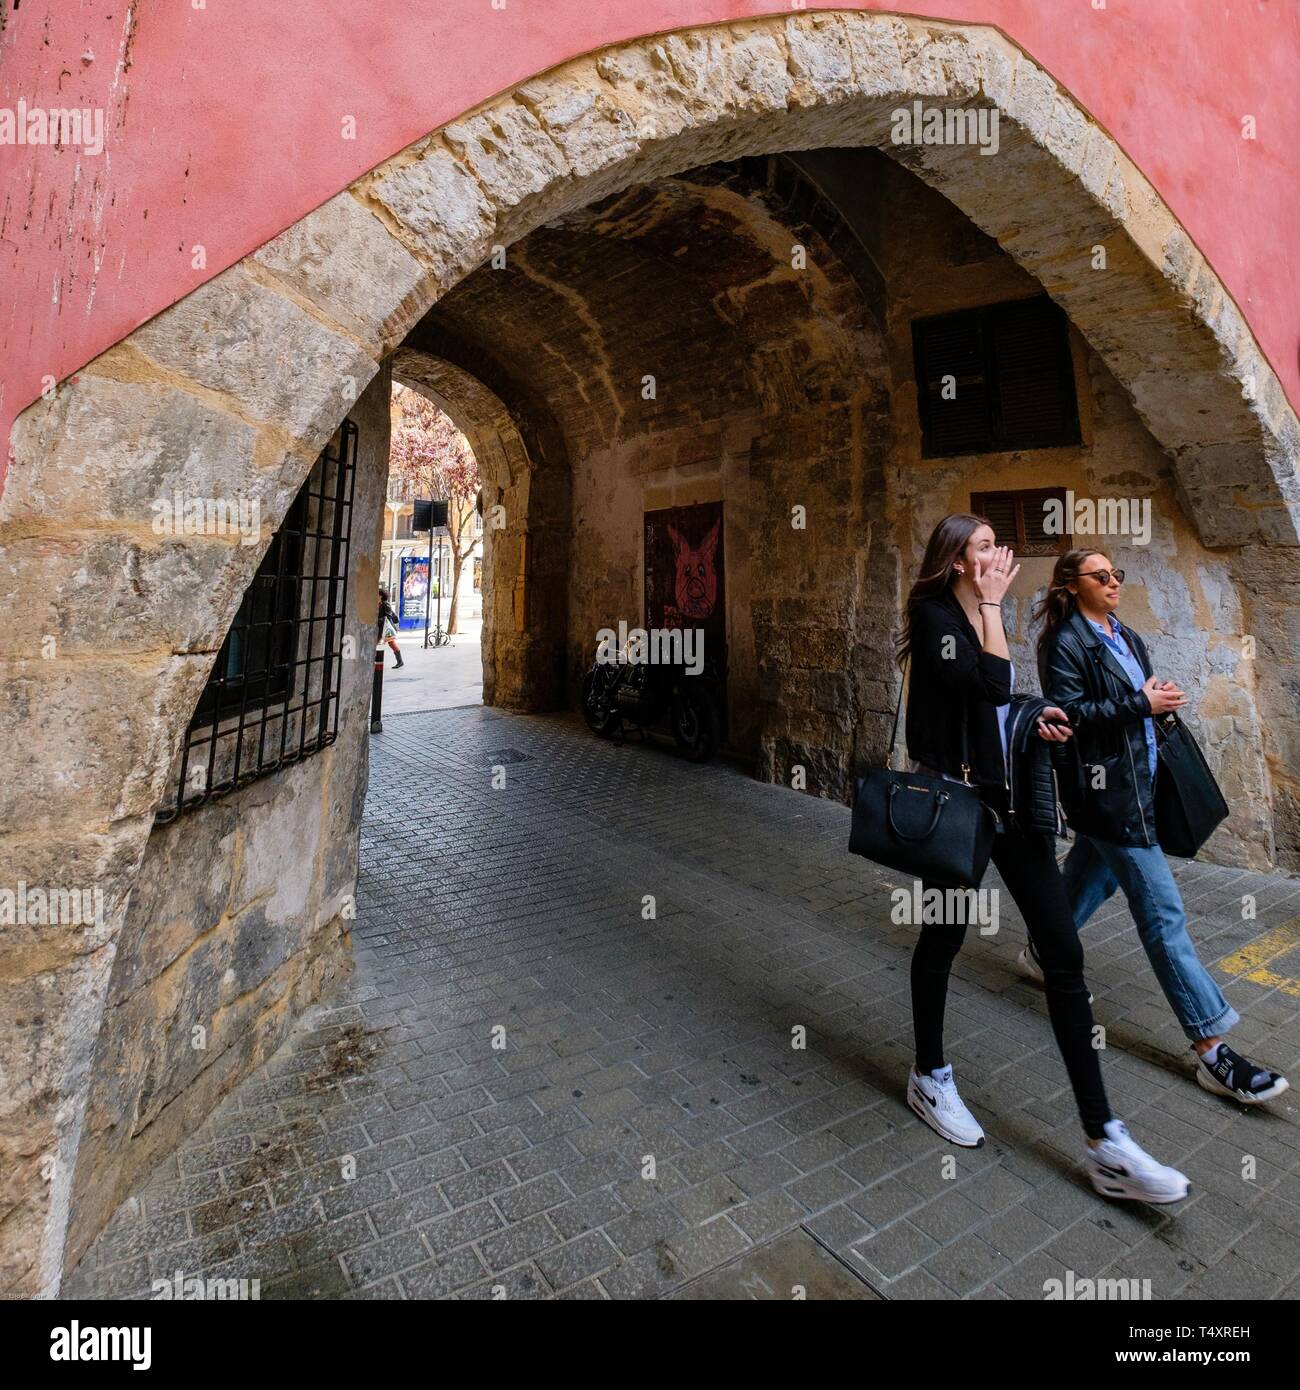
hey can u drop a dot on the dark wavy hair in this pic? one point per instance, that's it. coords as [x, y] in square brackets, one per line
[947, 541]
[1057, 603]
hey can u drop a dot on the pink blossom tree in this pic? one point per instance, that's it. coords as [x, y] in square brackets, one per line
[431, 458]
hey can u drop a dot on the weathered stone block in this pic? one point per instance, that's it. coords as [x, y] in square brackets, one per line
[344, 260]
[105, 450]
[509, 153]
[244, 341]
[589, 126]
[87, 740]
[820, 64]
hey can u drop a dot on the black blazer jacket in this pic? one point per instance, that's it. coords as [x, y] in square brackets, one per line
[952, 673]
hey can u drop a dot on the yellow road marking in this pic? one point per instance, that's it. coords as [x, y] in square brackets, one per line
[1252, 962]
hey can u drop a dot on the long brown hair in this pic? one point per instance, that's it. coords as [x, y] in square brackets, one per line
[1058, 602]
[945, 547]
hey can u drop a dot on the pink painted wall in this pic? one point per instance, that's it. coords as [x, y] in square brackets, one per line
[223, 125]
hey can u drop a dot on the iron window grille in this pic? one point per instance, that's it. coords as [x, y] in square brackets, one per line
[272, 697]
[1012, 379]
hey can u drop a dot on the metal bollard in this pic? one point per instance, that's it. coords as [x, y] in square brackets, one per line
[377, 693]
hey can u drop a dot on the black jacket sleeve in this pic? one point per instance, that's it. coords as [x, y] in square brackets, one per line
[1065, 683]
[958, 663]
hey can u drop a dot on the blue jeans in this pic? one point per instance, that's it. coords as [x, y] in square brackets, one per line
[1094, 869]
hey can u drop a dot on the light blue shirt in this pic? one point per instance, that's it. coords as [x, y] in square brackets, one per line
[1127, 658]
[1003, 710]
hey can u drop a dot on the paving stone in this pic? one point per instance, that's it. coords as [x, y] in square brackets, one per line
[627, 1041]
[589, 1213]
[651, 1274]
[518, 1241]
[196, 1256]
[446, 1232]
[589, 1255]
[949, 1216]
[895, 1250]
[792, 1266]
[524, 1281]
[322, 1282]
[461, 1191]
[138, 1238]
[710, 1198]
[444, 1276]
[383, 1257]
[967, 1264]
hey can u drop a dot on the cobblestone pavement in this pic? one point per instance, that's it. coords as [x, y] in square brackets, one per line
[517, 912]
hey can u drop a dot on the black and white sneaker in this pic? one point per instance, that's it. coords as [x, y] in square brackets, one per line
[934, 1098]
[1120, 1169]
[1231, 1074]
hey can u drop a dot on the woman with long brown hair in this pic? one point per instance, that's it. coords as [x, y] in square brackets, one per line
[1098, 670]
[958, 707]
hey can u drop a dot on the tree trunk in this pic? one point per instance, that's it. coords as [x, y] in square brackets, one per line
[453, 613]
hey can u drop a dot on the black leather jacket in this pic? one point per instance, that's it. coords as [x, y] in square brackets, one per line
[955, 682]
[1103, 772]
[1034, 801]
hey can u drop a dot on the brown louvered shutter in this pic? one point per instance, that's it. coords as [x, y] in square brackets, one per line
[1035, 399]
[1000, 509]
[1013, 376]
[1019, 519]
[953, 346]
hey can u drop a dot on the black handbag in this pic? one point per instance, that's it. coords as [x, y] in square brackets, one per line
[1189, 805]
[925, 827]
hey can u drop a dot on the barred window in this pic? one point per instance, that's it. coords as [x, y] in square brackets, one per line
[272, 696]
[995, 379]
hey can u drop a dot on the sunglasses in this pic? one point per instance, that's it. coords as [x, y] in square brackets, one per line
[1103, 576]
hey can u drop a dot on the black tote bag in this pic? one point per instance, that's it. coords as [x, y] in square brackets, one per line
[925, 827]
[1189, 805]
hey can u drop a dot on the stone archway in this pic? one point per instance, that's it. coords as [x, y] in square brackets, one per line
[522, 633]
[111, 634]
[767, 391]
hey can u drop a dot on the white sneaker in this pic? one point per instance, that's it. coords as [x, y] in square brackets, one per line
[1118, 1168]
[1031, 969]
[935, 1100]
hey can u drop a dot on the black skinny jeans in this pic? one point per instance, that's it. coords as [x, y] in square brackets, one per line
[1028, 868]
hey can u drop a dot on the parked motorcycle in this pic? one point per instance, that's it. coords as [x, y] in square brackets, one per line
[647, 695]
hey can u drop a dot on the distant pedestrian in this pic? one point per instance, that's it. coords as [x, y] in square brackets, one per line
[388, 620]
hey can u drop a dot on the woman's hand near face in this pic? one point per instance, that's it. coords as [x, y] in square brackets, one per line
[995, 575]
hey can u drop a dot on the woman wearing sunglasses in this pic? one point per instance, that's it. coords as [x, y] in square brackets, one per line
[1098, 671]
[961, 679]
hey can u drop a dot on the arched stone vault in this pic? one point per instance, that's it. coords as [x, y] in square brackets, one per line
[110, 630]
[770, 390]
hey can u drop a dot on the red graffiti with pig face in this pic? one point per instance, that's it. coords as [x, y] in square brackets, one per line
[696, 581]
